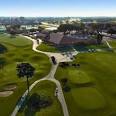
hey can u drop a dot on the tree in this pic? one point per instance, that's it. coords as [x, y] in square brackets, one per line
[97, 27]
[99, 38]
[62, 28]
[37, 102]
[82, 26]
[71, 27]
[33, 30]
[3, 49]
[64, 81]
[40, 29]
[112, 31]
[24, 30]
[13, 29]
[25, 70]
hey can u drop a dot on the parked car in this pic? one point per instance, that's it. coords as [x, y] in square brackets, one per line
[53, 60]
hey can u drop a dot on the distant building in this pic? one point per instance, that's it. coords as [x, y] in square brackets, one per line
[28, 27]
[56, 37]
[2, 28]
[71, 20]
[69, 40]
[61, 39]
[36, 34]
[74, 20]
[40, 35]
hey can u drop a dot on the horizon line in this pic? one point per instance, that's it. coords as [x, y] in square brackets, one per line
[60, 16]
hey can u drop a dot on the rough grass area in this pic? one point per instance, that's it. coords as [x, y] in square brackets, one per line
[8, 75]
[45, 88]
[93, 84]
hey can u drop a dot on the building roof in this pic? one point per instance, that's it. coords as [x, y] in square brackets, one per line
[56, 37]
[60, 38]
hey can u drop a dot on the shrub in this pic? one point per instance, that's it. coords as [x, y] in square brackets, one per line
[37, 102]
[66, 88]
[3, 49]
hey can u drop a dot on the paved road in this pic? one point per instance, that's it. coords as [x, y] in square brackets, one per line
[18, 106]
[50, 77]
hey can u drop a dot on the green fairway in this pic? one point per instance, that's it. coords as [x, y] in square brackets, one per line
[93, 84]
[45, 88]
[16, 41]
[19, 53]
[88, 98]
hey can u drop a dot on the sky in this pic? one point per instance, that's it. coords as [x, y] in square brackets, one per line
[57, 8]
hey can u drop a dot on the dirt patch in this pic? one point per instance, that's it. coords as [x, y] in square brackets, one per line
[5, 93]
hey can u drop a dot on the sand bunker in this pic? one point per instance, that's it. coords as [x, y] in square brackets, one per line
[6, 93]
[10, 87]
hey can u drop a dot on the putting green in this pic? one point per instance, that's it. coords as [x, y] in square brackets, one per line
[88, 98]
[79, 77]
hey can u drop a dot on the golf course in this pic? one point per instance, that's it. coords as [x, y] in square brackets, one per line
[17, 49]
[45, 89]
[91, 85]
[88, 82]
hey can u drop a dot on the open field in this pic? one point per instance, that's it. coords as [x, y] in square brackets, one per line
[18, 50]
[45, 88]
[93, 84]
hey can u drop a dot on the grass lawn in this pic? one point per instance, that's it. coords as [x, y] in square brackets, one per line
[113, 43]
[45, 88]
[19, 53]
[85, 97]
[87, 47]
[93, 84]
[16, 41]
[47, 47]
[102, 46]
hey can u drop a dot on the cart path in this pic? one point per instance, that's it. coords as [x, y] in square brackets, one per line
[60, 58]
